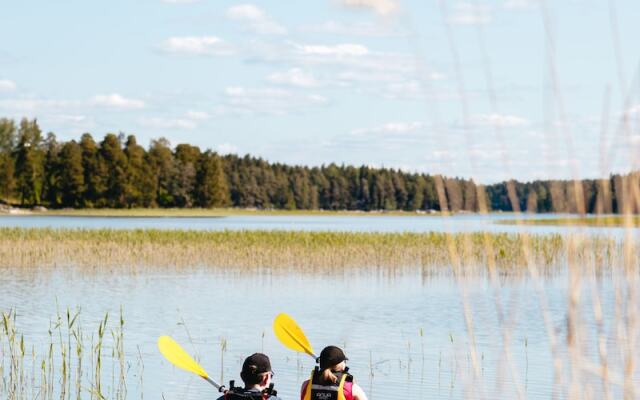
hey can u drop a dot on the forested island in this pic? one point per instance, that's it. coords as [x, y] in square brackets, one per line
[117, 172]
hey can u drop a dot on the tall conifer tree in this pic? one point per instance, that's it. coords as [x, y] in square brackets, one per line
[211, 186]
[72, 184]
[29, 162]
[7, 165]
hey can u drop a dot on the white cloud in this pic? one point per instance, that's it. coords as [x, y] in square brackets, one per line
[115, 100]
[167, 123]
[272, 101]
[294, 77]
[437, 76]
[390, 128]
[633, 110]
[407, 90]
[226, 148]
[7, 85]
[317, 99]
[368, 29]
[70, 123]
[75, 119]
[196, 45]
[381, 7]
[339, 50]
[470, 14]
[345, 64]
[255, 20]
[197, 115]
[351, 76]
[442, 155]
[351, 58]
[500, 120]
[32, 105]
[520, 4]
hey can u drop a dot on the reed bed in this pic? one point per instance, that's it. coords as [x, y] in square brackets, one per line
[300, 251]
[71, 364]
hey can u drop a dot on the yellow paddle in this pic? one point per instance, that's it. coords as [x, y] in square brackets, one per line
[291, 335]
[176, 355]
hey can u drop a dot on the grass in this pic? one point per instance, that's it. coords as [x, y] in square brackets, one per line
[60, 371]
[214, 212]
[285, 250]
[595, 221]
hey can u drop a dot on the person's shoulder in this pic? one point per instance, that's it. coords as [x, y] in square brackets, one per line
[220, 398]
[274, 398]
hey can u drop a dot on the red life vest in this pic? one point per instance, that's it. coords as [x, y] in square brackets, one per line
[341, 390]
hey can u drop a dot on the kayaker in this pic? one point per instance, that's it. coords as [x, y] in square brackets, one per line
[331, 380]
[257, 376]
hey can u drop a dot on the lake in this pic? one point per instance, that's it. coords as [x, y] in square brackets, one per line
[364, 223]
[405, 331]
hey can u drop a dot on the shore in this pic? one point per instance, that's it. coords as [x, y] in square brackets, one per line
[629, 221]
[590, 221]
[202, 212]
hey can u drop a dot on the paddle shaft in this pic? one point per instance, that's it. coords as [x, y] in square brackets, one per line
[206, 378]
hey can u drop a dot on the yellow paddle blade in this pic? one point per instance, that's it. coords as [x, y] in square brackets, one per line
[291, 335]
[178, 357]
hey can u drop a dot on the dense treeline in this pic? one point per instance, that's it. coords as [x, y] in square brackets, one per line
[118, 172]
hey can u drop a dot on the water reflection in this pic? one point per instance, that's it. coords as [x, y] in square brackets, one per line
[405, 334]
[455, 223]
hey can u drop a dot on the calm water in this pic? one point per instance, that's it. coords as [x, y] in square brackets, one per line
[456, 223]
[376, 316]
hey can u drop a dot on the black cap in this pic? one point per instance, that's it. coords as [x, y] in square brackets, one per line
[255, 364]
[330, 356]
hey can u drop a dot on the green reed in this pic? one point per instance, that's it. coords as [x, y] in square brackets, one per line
[58, 373]
[285, 250]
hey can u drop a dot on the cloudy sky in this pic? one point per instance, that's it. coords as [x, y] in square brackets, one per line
[488, 89]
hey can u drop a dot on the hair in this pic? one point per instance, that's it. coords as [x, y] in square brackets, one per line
[326, 375]
[251, 377]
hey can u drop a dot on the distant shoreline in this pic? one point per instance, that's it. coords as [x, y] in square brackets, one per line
[573, 220]
[594, 221]
[203, 212]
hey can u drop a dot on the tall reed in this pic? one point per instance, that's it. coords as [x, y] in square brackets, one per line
[299, 251]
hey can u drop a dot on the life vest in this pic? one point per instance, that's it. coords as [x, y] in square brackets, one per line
[329, 391]
[238, 393]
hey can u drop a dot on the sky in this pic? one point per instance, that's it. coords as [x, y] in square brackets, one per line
[489, 90]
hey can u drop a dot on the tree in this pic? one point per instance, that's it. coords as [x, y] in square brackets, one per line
[455, 199]
[140, 188]
[161, 163]
[183, 181]
[416, 193]
[400, 187]
[52, 171]
[113, 162]
[95, 175]
[72, 184]
[7, 167]
[29, 162]
[211, 183]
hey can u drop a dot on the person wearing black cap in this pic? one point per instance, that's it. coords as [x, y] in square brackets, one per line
[256, 375]
[331, 380]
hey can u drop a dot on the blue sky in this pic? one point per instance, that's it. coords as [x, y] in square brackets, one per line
[379, 82]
